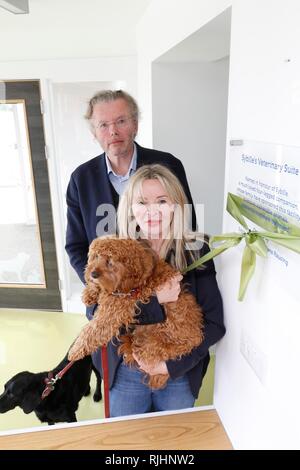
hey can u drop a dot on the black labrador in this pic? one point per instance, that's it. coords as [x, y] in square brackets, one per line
[26, 389]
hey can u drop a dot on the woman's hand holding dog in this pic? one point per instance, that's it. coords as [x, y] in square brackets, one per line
[169, 291]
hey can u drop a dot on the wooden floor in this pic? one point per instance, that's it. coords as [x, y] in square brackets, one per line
[185, 431]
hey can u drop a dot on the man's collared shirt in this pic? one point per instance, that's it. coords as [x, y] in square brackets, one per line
[120, 182]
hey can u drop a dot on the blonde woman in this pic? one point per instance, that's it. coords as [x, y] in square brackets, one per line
[154, 206]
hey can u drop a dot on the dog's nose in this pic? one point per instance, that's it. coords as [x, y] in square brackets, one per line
[95, 274]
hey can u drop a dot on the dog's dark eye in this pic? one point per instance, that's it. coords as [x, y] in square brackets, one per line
[109, 263]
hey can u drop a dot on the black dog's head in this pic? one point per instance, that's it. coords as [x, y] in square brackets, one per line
[21, 390]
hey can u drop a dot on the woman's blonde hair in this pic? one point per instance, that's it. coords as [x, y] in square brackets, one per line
[181, 236]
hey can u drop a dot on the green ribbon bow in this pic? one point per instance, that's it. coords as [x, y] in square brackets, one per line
[277, 229]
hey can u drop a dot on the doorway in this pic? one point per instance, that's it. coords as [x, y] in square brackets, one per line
[74, 145]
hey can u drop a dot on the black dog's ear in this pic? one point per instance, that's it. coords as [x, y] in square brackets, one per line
[30, 401]
[31, 394]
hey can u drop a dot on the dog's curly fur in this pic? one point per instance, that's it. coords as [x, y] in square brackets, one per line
[133, 271]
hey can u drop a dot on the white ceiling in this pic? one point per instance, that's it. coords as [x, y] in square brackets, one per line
[209, 43]
[71, 28]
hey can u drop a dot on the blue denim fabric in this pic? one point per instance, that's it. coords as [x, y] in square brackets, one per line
[130, 395]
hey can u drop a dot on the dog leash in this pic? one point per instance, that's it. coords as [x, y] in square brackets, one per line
[50, 381]
[104, 361]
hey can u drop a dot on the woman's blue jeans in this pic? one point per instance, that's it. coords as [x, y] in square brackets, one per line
[130, 395]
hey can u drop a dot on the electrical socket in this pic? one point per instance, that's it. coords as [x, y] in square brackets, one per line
[257, 360]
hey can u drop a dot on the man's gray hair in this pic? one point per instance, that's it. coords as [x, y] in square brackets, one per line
[105, 96]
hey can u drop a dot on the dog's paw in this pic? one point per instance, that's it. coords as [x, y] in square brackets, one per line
[158, 381]
[97, 395]
[125, 349]
[127, 355]
[129, 360]
[90, 296]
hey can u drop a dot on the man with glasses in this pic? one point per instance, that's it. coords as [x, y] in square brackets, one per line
[95, 186]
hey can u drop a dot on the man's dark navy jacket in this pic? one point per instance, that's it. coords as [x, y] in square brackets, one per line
[88, 189]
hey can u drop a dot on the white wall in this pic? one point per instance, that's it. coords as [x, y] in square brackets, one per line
[73, 70]
[189, 120]
[264, 105]
[71, 28]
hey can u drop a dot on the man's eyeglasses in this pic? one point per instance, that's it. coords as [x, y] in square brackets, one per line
[120, 123]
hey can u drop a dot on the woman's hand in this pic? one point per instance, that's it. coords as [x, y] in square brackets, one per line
[169, 291]
[158, 368]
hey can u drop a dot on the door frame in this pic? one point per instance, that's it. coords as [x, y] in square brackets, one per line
[10, 291]
[56, 193]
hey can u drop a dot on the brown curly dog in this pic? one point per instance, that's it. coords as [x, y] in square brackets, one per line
[119, 273]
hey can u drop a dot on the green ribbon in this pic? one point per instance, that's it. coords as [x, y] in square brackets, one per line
[278, 230]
